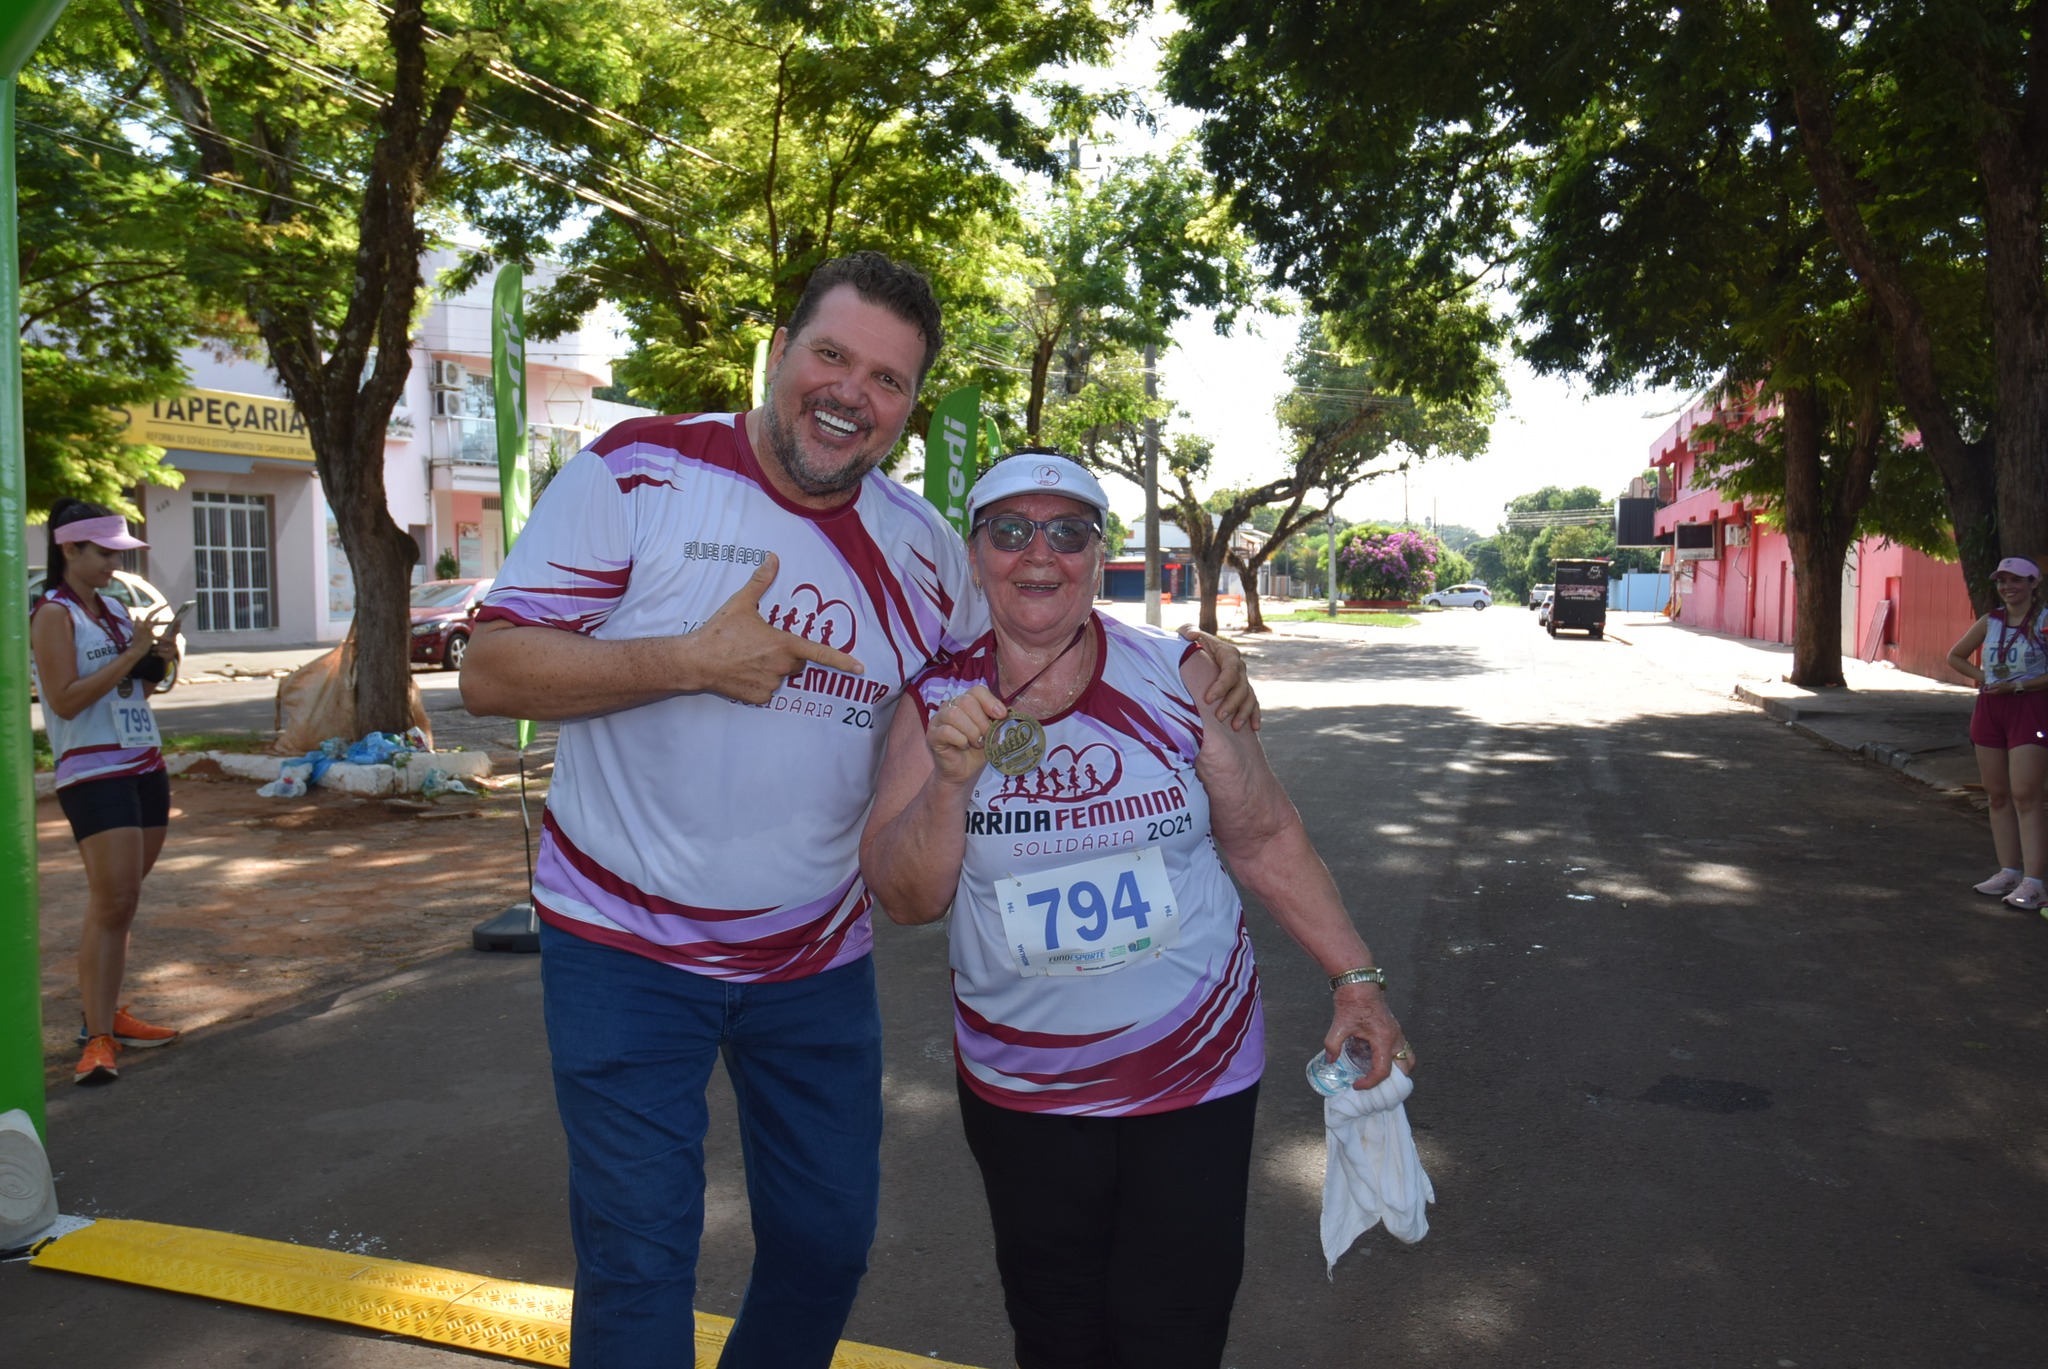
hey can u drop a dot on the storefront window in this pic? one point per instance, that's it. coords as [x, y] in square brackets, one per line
[232, 559]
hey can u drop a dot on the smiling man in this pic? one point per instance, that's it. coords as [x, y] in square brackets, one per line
[723, 609]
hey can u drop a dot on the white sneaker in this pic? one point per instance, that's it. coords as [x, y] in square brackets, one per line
[2028, 897]
[1999, 885]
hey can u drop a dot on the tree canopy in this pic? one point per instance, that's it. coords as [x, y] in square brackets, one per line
[1675, 192]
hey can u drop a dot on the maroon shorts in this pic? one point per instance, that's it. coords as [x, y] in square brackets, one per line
[2008, 720]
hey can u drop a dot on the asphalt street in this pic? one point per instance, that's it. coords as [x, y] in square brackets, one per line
[1721, 1063]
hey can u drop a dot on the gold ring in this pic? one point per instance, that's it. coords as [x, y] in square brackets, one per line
[1403, 1054]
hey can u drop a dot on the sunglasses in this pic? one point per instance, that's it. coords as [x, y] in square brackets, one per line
[1013, 532]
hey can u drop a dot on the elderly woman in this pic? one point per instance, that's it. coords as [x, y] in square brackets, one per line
[1063, 788]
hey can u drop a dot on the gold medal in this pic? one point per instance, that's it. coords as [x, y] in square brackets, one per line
[1016, 744]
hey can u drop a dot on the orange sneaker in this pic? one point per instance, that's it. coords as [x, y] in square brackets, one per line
[133, 1031]
[97, 1066]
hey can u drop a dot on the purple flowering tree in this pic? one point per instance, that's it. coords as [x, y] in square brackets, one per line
[1389, 563]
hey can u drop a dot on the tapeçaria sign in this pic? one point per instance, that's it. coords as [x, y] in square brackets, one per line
[220, 421]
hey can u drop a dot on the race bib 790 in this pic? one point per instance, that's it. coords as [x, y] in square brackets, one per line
[1091, 917]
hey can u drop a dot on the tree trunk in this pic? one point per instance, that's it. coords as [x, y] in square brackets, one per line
[1041, 370]
[1820, 518]
[2012, 170]
[1209, 578]
[1248, 576]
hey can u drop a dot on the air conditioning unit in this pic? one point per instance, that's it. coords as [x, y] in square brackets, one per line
[1735, 534]
[450, 375]
[451, 404]
[1696, 542]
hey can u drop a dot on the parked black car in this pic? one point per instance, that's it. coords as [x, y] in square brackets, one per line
[1580, 600]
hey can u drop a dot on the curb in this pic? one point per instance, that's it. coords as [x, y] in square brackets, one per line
[370, 781]
[1891, 757]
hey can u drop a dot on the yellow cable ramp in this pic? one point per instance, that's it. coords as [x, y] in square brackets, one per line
[522, 1321]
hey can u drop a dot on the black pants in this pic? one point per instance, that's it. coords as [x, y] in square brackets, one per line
[1120, 1240]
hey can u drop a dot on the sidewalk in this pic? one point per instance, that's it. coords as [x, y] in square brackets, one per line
[1917, 726]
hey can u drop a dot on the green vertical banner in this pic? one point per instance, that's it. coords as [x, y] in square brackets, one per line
[508, 394]
[992, 440]
[761, 373]
[22, 26]
[949, 465]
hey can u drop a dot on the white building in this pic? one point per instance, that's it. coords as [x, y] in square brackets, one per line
[249, 534]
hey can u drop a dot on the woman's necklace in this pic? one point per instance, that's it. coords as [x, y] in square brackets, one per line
[1017, 743]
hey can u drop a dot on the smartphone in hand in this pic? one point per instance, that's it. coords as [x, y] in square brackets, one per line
[177, 623]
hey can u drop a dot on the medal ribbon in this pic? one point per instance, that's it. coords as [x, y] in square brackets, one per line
[1018, 692]
[104, 619]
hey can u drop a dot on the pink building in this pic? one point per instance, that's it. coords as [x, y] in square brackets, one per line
[1732, 574]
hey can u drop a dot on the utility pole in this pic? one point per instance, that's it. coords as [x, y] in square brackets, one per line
[1330, 546]
[1151, 490]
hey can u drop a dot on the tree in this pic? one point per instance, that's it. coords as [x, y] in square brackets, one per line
[1119, 263]
[1332, 428]
[1921, 138]
[1925, 129]
[322, 138]
[106, 303]
[1678, 238]
[745, 143]
[1389, 563]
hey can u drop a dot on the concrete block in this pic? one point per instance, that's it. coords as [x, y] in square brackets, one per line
[370, 781]
[461, 765]
[46, 784]
[243, 766]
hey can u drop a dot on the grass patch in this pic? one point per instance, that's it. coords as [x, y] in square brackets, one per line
[1356, 617]
[174, 744]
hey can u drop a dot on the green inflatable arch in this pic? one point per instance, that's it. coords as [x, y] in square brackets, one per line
[23, 24]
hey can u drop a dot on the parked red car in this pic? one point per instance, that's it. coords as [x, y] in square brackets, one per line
[442, 611]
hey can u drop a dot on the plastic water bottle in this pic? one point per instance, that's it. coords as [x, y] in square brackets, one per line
[1331, 1077]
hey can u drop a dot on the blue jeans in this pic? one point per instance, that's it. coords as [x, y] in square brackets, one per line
[633, 1044]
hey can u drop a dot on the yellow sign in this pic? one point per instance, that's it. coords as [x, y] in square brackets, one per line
[219, 421]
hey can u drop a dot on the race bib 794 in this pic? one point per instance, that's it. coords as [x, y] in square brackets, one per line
[1092, 917]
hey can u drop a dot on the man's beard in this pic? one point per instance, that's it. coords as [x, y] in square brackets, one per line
[783, 446]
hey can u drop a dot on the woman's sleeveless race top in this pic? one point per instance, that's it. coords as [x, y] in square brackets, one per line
[1100, 960]
[2014, 653]
[116, 734]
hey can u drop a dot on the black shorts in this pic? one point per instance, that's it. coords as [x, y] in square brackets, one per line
[96, 806]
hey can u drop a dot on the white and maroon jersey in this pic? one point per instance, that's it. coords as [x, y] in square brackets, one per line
[1169, 1029]
[716, 836]
[114, 735]
[2015, 654]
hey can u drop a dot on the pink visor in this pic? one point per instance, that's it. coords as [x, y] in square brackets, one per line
[110, 532]
[2017, 565]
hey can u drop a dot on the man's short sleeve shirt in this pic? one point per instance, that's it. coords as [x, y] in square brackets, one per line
[721, 837]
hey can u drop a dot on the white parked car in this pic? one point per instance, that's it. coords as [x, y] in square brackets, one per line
[1539, 595]
[1460, 596]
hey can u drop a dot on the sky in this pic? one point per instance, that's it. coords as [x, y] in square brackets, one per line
[1548, 433]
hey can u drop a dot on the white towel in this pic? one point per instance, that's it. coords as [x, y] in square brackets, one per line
[1372, 1173]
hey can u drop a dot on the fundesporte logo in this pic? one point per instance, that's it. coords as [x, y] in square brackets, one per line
[810, 615]
[1047, 475]
[1066, 775]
